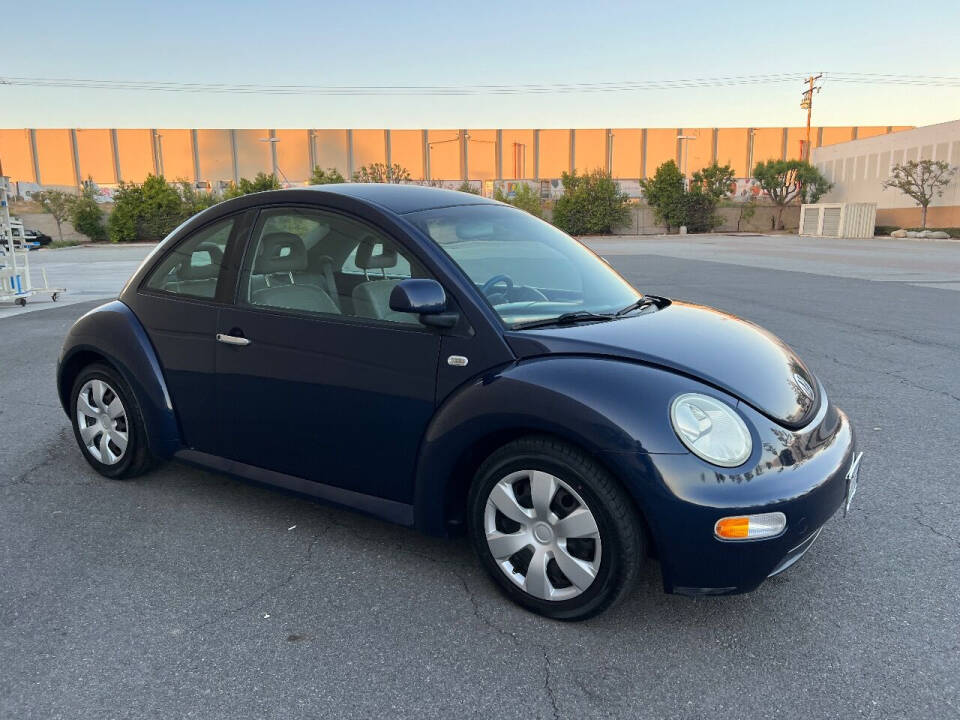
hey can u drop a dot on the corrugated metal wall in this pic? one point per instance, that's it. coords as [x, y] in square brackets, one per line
[68, 156]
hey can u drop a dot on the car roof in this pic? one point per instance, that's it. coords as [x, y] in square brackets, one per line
[403, 198]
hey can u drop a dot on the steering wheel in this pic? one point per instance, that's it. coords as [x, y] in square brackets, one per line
[497, 280]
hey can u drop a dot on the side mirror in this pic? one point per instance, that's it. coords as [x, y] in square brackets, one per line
[425, 298]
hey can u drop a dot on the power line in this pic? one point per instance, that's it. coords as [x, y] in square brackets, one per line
[482, 89]
[394, 89]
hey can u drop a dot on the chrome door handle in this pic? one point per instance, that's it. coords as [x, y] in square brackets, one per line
[232, 340]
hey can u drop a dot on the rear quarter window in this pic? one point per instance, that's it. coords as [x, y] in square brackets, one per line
[193, 268]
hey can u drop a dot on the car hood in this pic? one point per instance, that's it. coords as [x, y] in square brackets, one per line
[714, 346]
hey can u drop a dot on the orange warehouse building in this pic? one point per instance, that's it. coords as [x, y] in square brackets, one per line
[67, 157]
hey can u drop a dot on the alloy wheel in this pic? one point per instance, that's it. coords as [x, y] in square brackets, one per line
[542, 535]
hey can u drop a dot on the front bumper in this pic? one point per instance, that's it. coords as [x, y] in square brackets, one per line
[794, 555]
[803, 474]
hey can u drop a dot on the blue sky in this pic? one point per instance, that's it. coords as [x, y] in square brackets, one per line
[389, 43]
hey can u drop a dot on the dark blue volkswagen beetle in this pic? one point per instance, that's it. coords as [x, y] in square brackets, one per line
[441, 360]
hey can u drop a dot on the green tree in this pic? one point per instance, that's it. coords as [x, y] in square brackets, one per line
[466, 187]
[921, 180]
[381, 173]
[261, 183]
[330, 176]
[788, 181]
[664, 192]
[591, 204]
[715, 180]
[524, 197]
[146, 212]
[86, 215]
[58, 204]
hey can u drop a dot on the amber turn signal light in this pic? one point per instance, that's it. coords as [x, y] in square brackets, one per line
[750, 527]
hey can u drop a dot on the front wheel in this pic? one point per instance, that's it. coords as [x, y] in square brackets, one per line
[554, 529]
[107, 424]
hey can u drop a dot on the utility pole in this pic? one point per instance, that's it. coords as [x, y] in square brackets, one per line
[807, 104]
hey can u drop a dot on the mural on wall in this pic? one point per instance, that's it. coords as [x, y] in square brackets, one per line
[746, 188]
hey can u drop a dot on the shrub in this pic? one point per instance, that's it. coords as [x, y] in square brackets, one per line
[696, 208]
[381, 173]
[591, 204]
[261, 183]
[329, 176]
[524, 197]
[466, 187]
[664, 193]
[87, 217]
[193, 201]
[699, 211]
[146, 212]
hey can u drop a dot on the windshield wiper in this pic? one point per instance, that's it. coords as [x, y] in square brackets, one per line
[567, 318]
[641, 303]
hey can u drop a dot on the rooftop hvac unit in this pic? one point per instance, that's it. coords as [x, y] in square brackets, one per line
[850, 220]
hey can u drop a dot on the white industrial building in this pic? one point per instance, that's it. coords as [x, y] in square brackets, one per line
[858, 168]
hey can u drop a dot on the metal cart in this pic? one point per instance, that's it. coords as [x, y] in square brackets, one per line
[16, 284]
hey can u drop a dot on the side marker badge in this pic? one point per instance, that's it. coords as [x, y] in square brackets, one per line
[457, 361]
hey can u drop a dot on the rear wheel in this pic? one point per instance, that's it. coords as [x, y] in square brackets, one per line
[554, 529]
[107, 424]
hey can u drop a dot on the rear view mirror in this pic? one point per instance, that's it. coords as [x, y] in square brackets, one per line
[424, 297]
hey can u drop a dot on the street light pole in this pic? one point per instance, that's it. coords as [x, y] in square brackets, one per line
[273, 140]
[159, 151]
[684, 153]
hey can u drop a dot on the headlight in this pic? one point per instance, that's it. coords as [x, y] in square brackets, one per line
[711, 429]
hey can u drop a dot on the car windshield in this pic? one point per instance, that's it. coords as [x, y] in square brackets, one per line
[527, 269]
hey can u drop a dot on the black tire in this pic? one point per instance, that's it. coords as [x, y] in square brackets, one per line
[136, 459]
[616, 517]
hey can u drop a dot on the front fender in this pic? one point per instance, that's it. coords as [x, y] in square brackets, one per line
[605, 406]
[113, 332]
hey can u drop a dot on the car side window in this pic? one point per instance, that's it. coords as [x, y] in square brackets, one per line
[322, 262]
[194, 266]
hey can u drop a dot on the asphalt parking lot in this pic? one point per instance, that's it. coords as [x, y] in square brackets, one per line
[186, 594]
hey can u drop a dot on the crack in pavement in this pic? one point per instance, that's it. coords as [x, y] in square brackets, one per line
[398, 548]
[512, 636]
[892, 374]
[291, 576]
[918, 518]
[50, 457]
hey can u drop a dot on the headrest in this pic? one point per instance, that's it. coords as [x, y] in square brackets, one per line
[202, 270]
[280, 252]
[366, 260]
